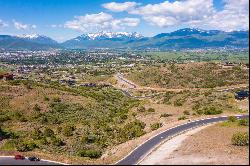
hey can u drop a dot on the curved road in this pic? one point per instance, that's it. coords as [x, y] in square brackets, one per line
[141, 151]
[9, 160]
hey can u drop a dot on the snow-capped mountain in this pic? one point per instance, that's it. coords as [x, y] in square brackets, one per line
[190, 31]
[103, 40]
[37, 38]
[27, 41]
[29, 36]
[109, 35]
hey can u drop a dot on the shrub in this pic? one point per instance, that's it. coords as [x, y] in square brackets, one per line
[56, 99]
[151, 110]
[141, 109]
[232, 119]
[36, 108]
[43, 141]
[26, 146]
[186, 112]
[68, 130]
[240, 139]
[46, 98]
[9, 145]
[182, 118]
[59, 129]
[179, 102]
[132, 130]
[89, 139]
[56, 141]
[134, 114]
[48, 132]
[89, 153]
[36, 134]
[4, 118]
[165, 115]
[155, 126]
[167, 97]
[243, 122]
[212, 110]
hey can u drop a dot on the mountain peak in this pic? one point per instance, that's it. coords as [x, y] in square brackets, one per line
[30, 36]
[110, 35]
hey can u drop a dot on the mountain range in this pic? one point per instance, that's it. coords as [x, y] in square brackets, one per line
[187, 38]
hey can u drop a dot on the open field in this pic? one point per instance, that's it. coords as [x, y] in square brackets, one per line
[199, 56]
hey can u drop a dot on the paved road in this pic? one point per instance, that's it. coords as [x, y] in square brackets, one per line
[11, 161]
[135, 156]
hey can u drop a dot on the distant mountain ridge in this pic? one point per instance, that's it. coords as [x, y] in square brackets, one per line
[102, 39]
[29, 42]
[187, 38]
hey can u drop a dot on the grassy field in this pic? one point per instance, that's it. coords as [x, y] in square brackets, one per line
[236, 57]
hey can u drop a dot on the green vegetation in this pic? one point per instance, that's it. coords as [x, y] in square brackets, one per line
[240, 139]
[182, 117]
[209, 110]
[155, 126]
[87, 128]
[90, 153]
[232, 119]
[234, 56]
[244, 122]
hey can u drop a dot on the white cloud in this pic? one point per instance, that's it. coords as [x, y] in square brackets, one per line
[174, 13]
[55, 26]
[195, 13]
[100, 21]
[3, 24]
[21, 26]
[120, 7]
[235, 16]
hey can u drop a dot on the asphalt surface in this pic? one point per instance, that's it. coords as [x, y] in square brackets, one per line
[12, 161]
[135, 156]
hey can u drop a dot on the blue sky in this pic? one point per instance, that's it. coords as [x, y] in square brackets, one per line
[65, 19]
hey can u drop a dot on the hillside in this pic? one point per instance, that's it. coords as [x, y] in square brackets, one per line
[27, 42]
[180, 39]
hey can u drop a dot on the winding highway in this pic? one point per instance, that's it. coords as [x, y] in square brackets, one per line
[141, 151]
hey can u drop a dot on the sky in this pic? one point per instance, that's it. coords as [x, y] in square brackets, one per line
[66, 19]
